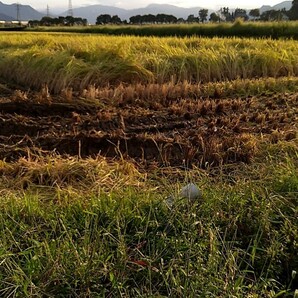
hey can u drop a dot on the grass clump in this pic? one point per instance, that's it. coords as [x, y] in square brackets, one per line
[97, 228]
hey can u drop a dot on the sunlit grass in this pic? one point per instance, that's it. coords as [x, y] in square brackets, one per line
[77, 61]
[71, 227]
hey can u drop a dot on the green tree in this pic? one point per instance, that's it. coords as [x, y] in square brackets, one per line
[240, 13]
[214, 17]
[254, 13]
[171, 19]
[116, 20]
[33, 23]
[272, 15]
[46, 21]
[148, 19]
[165, 19]
[226, 15]
[135, 19]
[203, 13]
[74, 21]
[103, 19]
[293, 12]
[192, 19]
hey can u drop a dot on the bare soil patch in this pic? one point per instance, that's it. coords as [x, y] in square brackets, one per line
[178, 132]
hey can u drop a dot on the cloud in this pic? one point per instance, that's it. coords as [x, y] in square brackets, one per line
[132, 4]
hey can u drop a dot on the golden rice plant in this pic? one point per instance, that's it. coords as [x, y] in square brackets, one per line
[64, 61]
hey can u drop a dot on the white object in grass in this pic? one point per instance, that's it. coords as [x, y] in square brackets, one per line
[191, 192]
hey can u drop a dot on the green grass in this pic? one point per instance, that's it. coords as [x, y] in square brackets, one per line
[92, 228]
[237, 29]
[77, 61]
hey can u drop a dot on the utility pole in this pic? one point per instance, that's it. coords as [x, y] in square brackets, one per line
[18, 12]
[48, 11]
[70, 10]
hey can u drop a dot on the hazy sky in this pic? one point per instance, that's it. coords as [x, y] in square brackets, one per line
[62, 5]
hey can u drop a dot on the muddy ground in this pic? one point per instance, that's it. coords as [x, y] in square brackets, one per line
[177, 132]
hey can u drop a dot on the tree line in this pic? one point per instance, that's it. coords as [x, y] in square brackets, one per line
[223, 15]
[59, 21]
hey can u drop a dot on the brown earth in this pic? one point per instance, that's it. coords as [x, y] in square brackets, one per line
[177, 132]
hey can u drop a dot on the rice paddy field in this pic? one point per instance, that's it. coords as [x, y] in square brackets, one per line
[239, 28]
[98, 131]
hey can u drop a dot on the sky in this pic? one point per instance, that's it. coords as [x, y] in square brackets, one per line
[62, 5]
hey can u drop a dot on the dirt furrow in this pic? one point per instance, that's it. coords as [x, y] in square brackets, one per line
[185, 132]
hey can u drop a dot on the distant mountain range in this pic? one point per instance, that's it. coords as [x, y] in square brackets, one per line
[4, 17]
[8, 12]
[285, 4]
[26, 12]
[91, 12]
